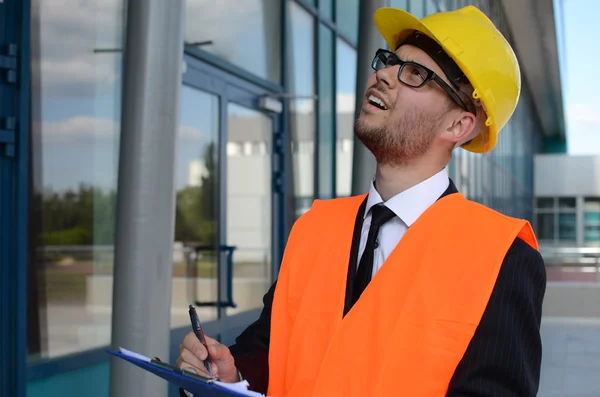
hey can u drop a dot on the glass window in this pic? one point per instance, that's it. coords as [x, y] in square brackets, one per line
[591, 220]
[326, 113]
[402, 4]
[196, 212]
[326, 8]
[246, 33]
[345, 110]
[249, 211]
[431, 7]
[346, 17]
[545, 202]
[417, 8]
[567, 203]
[302, 115]
[75, 125]
[567, 227]
[545, 226]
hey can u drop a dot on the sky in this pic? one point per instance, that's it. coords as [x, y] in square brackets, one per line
[581, 84]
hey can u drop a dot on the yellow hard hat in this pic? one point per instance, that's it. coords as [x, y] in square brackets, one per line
[481, 52]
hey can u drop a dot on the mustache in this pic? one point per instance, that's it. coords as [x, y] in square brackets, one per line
[380, 88]
[377, 87]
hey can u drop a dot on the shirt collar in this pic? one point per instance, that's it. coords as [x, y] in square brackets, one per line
[411, 203]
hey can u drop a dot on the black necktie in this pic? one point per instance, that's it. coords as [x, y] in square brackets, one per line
[380, 214]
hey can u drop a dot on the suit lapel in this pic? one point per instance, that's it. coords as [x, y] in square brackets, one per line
[360, 216]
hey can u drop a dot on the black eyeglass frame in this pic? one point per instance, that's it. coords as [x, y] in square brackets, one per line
[431, 75]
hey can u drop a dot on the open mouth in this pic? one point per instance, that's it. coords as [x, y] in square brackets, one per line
[373, 100]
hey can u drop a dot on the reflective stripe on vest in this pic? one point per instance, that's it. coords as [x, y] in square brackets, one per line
[414, 321]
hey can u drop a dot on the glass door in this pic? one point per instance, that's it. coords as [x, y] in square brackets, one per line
[195, 248]
[249, 209]
[227, 206]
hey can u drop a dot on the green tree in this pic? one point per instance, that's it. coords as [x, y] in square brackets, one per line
[196, 210]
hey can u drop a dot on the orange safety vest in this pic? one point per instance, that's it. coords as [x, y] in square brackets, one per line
[412, 324]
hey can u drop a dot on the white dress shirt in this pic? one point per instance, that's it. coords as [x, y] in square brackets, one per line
[408, 207]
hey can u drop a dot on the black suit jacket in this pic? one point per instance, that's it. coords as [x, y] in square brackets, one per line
[504, 356]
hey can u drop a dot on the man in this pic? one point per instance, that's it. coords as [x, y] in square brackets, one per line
[411, 289]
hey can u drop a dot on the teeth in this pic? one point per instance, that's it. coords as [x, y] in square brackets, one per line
[377, 101]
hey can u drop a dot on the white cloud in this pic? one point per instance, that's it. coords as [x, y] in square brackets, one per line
[188, 132]
[584, 113]
[65, 34]
[205, 19]
[243, 32]
[83, 128]
[583, 128]
[78, 128]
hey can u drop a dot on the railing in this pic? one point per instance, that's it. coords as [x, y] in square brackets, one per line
[572, 263]
[68, 265]
[192, 254]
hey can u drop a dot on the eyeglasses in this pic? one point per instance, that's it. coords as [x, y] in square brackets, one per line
[413, 74]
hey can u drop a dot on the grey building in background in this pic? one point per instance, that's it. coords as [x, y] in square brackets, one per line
[567, 197]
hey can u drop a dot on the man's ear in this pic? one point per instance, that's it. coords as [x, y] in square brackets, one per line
[462, 128]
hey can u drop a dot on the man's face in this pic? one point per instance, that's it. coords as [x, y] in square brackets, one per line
[411, 119]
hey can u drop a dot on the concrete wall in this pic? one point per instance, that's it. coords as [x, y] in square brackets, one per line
[564, 175]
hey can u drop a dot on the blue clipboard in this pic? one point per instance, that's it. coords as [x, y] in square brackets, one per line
[197, 387]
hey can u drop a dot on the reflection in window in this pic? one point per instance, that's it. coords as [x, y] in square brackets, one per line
[302, 115]
[245, 33]
[196, 211]
[567, 203]
[326, 7]
[345, 106]
[545, 202]
[402, 4]
[591, 220]
[346, 18]
[326, 114]
[75, 124]
[567, 227]
[430, 7]
[545, 226]
[249, 212]
[417, 8]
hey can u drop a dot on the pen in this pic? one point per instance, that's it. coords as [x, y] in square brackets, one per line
[197, 328]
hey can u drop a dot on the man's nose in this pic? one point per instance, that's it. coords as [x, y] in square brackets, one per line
[387, 76]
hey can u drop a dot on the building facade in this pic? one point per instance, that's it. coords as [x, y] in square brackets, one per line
[567, 197]
[266, 111]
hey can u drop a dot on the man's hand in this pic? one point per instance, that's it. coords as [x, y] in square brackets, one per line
[192, 355]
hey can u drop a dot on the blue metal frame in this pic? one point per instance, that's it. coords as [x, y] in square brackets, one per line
[231, 69]
[335, 106]
[281, 227]
[330, 23]
[14, 106]
[228, 250]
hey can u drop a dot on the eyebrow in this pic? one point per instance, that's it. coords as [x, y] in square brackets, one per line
[410, 59]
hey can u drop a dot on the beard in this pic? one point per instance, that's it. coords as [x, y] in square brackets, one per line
[406, 140]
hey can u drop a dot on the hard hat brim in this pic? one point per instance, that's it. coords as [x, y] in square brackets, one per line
[393, 25]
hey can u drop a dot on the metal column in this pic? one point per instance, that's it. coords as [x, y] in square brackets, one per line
[369, 40]
[15, 18]
[145, 199]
